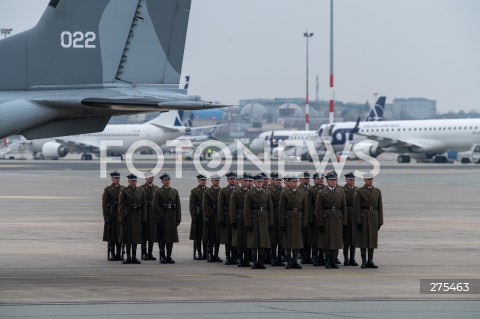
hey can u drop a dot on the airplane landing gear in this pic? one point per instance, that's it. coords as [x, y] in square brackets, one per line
[86, 157]
[403, 159]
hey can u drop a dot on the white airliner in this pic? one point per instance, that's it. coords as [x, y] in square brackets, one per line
[342, 132]
[167, 126]
[420, 139]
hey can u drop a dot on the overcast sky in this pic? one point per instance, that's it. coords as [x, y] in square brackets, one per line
[255, 48]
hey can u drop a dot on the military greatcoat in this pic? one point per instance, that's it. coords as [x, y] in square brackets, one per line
[132, 211]
[110, 212]
[168, 214]
[349, 231]
[196, 212]
[258, 215]
[237, 217]
[276, 234]
[150, 227]
[331, 210]
[312, 215]
[293, 216]
[211, 230]
[368, 211]
[223, 212]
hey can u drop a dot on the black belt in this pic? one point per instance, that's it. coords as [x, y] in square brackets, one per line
[135, 206]
[330, 208]
[260, 209]
[369, 208]
[169, 206]
[149, 203]
[294, 209]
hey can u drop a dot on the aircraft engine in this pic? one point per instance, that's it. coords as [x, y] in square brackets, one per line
[54, 150]
[369, 148]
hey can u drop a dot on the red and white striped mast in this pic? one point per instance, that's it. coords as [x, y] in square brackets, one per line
[332, 99]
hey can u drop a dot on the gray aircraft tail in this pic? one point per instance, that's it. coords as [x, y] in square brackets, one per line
[94, 42]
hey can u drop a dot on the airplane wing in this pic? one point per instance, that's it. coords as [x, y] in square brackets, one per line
[417, 145]
[125, 105]
[90, 146]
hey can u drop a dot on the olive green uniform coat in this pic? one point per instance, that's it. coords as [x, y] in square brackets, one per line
[276, 234]
[110, 212]
[237, 217]
[349, 232]
[312, 215]
[223, 212]
[151, 223]
[168, 213]
[331, 210]
[259, 215]
[305, 229]
[293, 215]
[196, 212]
[368, 211]
[211, 230]
[132, 211]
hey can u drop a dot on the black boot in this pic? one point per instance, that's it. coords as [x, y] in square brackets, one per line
[261, 261]
[335, 257]
[144, 251]
[210, 255]
[255, 261]
[315, 258]
[333, 260]
[163, 259]
[307, 255]
[370, 263]
[169, 253]
[111, 252]
[215, 256]
[205, 251]
[363, 253]
[321, 257]
[345, 257]
[128, 260]
[327, 261]
[229, 259]
[352, 261]
[150, 252]
[134, 255]
[195, 249]
[296, 265]
[280, 257]
[289, 262]
[118, 255]
[273, 258]
[268, 256]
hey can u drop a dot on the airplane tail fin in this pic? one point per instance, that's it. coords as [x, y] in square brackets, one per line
[170, 119]
[97, 42]
[189, 121]
[376, 113]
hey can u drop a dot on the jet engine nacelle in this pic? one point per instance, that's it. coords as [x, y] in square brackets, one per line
[54, 150]
[369, 148]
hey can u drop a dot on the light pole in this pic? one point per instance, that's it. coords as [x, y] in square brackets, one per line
[307, 35]
[5, 32]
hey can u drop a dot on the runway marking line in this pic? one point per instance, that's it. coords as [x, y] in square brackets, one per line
[14, 166]
[40, 197]
[249, 275]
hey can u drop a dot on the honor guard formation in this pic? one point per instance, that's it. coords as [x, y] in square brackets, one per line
[258, 220]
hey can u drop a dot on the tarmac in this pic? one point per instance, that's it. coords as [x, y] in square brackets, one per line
[53, 262]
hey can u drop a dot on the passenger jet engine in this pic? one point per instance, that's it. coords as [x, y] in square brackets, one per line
[54, 150]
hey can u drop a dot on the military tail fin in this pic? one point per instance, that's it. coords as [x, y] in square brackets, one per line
[94, 42]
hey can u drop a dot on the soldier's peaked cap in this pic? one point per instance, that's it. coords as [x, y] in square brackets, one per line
[132, 177]
[215, 177]
[350, 175]
[164, 176]
[368, 176]
[231, 174]
[258, 177]
[148, 174]
[317, 175]
[247, 176]
[306, 174]
[331, 175]
[264, 175]
[115, 174]
[294, 178]
[275, 175]
[201, 176]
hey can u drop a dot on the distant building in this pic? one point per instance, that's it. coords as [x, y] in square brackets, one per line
[414, 109]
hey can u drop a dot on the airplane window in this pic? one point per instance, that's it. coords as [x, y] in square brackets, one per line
[409, 129]
[434, 128]
[465, 127]
[404, 130]
[415, 129]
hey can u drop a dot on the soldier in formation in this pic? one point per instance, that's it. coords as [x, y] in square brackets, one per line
[168, 214]
[148, 228]
[211, 230]
[196, 228]
[258, 221]
[223, 212]
[293, 215]
[331, 211]
[132, 212]
[276, 233]
[368, 216]
[111, 230]
[237, 220]
[317, 255]
[349, 231]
